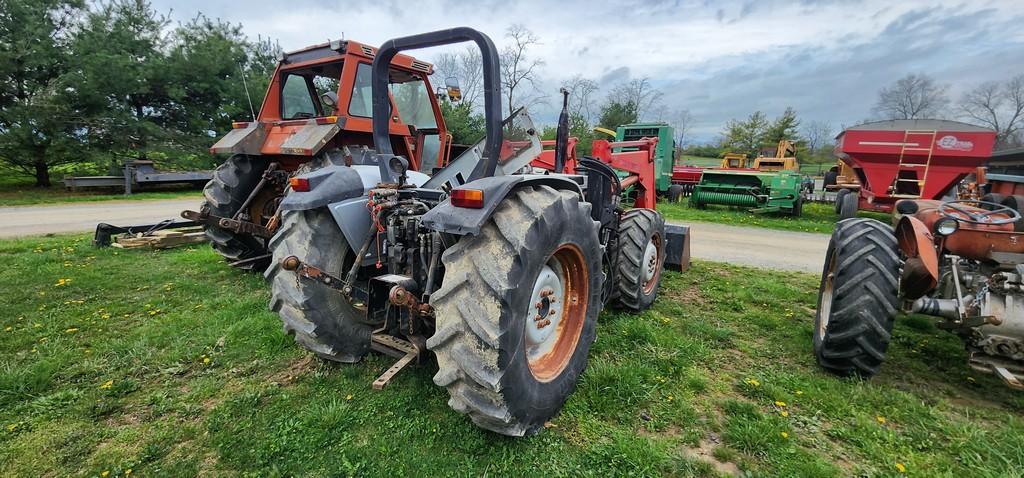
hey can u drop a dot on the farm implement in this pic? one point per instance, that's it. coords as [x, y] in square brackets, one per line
[907, 159]
[772, 185]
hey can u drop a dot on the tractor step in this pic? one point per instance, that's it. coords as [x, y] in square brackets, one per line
[402, 349]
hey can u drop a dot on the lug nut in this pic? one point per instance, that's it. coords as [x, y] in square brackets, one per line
[538, 318]
[543, 323]
[551, 312]
[538, 305]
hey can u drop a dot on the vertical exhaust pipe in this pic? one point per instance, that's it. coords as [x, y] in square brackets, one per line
[562, 133]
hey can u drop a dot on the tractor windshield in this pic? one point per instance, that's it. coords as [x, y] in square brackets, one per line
[310, 92]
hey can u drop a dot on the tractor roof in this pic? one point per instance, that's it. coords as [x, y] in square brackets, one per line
[336, 49]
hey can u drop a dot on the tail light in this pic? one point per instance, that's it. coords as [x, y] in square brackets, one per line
[327, 120]
[468, 198]
[239, 124]
[300, 185]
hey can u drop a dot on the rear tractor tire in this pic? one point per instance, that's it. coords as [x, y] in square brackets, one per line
[319, 317]
[857, 299]
[230, 186]
[994, 198]
[516, 311]
[641, 258]
[1016, 202]
[676, 193]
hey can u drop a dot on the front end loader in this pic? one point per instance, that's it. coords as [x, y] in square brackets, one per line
[499, 272]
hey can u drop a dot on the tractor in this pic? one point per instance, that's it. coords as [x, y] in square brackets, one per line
[316, 112]
[499, 272]
[960, 261]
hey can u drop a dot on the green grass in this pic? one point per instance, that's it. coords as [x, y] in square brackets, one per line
[168, 364]
[19, 191]
[816, 217]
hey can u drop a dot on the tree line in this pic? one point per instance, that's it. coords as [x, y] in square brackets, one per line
[97, 84]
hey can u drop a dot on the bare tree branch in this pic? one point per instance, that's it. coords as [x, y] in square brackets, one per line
[999, 107]
[518, 70]
[911, 97]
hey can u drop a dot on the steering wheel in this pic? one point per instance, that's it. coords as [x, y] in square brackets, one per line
[947, 209]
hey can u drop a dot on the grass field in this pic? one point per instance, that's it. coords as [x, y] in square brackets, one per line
[816, 217]
[19, 191]
[116, 363]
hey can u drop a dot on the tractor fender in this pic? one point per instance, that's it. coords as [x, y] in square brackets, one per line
[921, 268]
[461, 221]
[336, 183]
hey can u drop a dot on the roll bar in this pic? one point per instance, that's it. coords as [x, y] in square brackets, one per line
[492, 89]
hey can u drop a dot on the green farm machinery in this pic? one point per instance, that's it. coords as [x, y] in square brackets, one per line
[773, 185]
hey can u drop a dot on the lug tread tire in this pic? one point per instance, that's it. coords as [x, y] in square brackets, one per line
[864, 298]
[318, 316]
[478, 339]
[230, 186]
[1016, 202]
[635, 230]
[848, 207]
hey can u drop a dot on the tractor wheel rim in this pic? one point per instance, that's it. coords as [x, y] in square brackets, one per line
[825, 310]
[556, 313]
[652, 257]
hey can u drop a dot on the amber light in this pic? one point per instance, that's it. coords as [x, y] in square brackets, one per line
[327, 120]
[468, 198]
[299, 184]
[239, 124]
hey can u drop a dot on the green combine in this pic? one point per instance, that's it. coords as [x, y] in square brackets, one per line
[773, 185]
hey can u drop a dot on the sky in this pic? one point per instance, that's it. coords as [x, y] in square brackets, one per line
[720, 60]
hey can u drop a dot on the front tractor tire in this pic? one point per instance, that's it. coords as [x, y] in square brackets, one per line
[319, 317]
[517, 309]
[858, 298]
[641, 258]
[230, 186]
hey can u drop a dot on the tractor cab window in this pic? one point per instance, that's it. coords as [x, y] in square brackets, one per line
[413, 102]
[310, 92]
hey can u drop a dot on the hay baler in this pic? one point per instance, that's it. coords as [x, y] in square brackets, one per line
[773, 185]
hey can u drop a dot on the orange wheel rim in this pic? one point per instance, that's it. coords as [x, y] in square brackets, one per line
[557, 311]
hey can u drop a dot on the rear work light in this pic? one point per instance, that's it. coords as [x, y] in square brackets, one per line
[468, 198]
[299, 184]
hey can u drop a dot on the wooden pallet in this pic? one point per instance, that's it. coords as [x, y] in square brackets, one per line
[162, 239]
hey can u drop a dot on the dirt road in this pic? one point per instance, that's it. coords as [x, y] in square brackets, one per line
[76, 217]
[765, 248]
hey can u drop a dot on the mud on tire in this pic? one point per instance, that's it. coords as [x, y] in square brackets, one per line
[638, 229]
[858, 298]
[485, 304]
[320, 318]
[230, 186]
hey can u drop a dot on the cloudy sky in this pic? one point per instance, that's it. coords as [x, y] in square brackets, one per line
[720, 60]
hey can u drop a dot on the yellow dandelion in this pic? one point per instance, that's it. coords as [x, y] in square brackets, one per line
[37, 325]
[900, 468]
[128, 472]
[881, 420]
[34, 350]
[152, 312]
[12, 427]
[105, 473]
[105, 316]
[8, 328]
[206, 360]
[348, 397]
[106, 385]
[753, 382]
[670, 397]
[799, 392]
[784, 413]
[780, 404]
[71, 330]
[785, 436]
[88, 351]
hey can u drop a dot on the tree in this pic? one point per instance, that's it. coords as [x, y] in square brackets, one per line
[746, 136]
[681, 121]
[581, 92]
[615, 113]
[465, 126]
[784, 127]
[466, 67]
[640, 93]
[912, 97]
[1000, 107]
[118, 81]
[817, 136]
[34, 131]
[519, 71]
